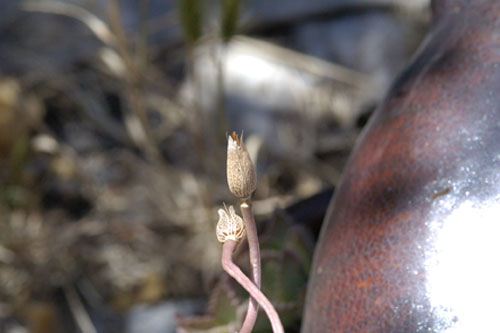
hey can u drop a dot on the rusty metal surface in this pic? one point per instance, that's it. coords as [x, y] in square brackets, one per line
[411, 240]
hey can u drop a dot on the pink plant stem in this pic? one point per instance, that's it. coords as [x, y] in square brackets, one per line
[254, 251]
[236, 273]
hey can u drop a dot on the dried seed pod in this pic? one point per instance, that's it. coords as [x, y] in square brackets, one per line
[241, 176]
[230, 225]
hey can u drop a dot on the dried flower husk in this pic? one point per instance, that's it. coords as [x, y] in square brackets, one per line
[241, 176]
[230, 225]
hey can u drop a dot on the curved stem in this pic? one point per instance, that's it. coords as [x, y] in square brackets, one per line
[254, 251]
[236, 273]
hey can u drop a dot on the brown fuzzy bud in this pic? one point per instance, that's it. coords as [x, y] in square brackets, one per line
[241, 176]
[230, 226]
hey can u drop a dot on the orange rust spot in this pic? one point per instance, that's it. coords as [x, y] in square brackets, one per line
[364, 284]
[379, 301]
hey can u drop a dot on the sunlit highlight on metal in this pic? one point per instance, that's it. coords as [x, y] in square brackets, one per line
[463, 284]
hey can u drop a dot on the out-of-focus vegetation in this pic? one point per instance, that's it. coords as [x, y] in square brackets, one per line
[113, 117]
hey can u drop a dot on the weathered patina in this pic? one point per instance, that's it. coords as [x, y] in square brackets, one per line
[411, 242]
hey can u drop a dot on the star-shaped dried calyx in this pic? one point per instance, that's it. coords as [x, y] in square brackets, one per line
[230, 225]
[241, 176]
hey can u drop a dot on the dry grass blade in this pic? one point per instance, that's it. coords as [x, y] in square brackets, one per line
[309, 63]
[94, 23]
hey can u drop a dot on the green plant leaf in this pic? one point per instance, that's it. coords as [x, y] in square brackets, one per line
[191, 15]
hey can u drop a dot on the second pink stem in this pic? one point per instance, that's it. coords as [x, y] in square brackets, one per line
[254, 252]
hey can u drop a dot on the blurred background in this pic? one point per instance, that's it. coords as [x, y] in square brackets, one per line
[113, 124]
